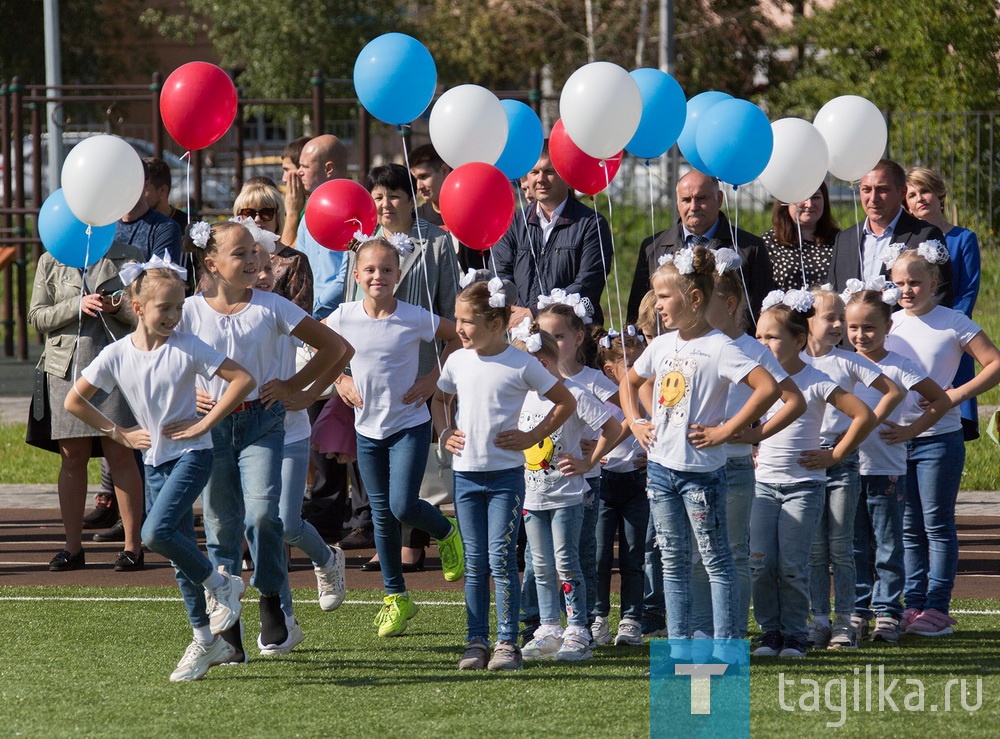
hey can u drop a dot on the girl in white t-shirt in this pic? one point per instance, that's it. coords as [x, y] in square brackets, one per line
[694, 366]
[934, 338]
[391, 418]
[566, 318]
[553, 504]
[155, 367]
[833, 544]
[878, 526]
[788, 494]
[490, 380]
[242, 495]
[727, 313]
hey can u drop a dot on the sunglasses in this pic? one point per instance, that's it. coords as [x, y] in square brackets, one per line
[266, 214]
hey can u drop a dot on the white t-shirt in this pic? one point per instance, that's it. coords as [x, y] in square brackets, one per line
[159, 387]
[739, 393]
[692, 386]
[491, 391]
[385, 364]
[847, 369]
[598, 385]
[877, 457]
[545, 486]
[297, 425]
[620, 458]
[934, 342]
[249, 336]
[778, 457]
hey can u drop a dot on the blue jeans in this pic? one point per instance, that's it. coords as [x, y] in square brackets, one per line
[299, 533]
[392, 470]
[588, 541]
[782, 524]
[930, 542]
[555, 551]
[624, 510]
[833, 543]
[679, 503]
[171, 489]
[653, 607]
[244, 491]
[488, 505]
[878, 546]
[739, 502]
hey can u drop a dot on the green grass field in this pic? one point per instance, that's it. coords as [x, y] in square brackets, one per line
[79, 662]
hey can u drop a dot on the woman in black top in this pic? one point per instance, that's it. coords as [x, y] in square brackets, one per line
[798, 267]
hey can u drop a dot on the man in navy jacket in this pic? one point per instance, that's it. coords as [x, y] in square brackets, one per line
[556, 241]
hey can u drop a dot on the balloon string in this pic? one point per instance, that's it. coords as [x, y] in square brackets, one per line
[523, 208]
[802, 250]
[188, 258]
[652, 217]
[79, 310]
[614, 262]
[735, 228]
[857, 226]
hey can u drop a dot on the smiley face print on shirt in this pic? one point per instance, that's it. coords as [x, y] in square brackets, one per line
[674, 383]
[540, 470]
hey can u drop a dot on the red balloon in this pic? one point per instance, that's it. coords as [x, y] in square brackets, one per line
[581, 171]
[477, 204]
[336, 210]
[198, 104]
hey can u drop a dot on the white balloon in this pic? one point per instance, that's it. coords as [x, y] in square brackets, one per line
[600, 107]
[102, 179]
[468, 124]
[855, 134]
[798, 162]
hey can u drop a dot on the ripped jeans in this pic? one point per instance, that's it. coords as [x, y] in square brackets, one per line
[554, 536]
[679, 503]
[782, 525]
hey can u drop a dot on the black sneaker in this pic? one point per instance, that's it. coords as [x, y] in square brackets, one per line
[129, 562]
[64, 562]
[359, 538]
[234, 637]
[115, 533]
[793, 649]
[769, 645]
[105, 512]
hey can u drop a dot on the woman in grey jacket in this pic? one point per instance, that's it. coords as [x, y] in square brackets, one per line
[80, 316]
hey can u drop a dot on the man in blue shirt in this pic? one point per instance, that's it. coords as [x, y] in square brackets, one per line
[148, 230]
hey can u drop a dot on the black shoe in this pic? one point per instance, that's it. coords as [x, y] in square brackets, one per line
[105, 512]
[272, 620]
[359, 538]
[372, 565]
[115, 533]
[417, 566]
[64, 562]
[234, 637]
[129, 562]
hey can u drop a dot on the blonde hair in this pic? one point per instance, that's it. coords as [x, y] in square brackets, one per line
[648, 321]
[702, 276]
[257, 195]
[549, 349]
[928, 178]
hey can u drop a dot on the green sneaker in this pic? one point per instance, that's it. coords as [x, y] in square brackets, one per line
[452, 553]
[392, 619]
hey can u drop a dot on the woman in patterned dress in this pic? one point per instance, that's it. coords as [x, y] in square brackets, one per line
[801, 265]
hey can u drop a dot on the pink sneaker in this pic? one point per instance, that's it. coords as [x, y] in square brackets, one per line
[931, 622]
[907, 618]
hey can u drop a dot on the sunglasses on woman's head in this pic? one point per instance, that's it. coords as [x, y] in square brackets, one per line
[266, 214]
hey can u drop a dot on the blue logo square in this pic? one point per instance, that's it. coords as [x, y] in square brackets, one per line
[699, 688]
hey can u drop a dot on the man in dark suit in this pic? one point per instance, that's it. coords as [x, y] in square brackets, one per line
[701, 222]
[859, 249]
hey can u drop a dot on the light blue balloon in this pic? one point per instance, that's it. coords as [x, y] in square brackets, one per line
[696, 108]
[664, 111]
[735, 141]
[395, 78]
[524, 140]
[65, 236]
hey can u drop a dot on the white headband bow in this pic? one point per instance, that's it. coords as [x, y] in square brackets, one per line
[263, 238]
[933, 251]
[522, 332]
[890, 293]
[130, 272]
[726, 259]
[201, 232]
[582, 307]
[498, 298]
[683, 260]
[400, 242]
[798, 300]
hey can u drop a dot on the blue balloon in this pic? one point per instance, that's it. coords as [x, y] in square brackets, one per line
[735, 141]
[65, 236]
[664, 111]
[524, 140]
[395, 78]
[696, 108]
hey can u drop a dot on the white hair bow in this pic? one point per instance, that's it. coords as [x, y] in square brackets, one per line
[468, 278]
[498, 298]
[522, 332]
[683, 260]
[798, 300]
[933, 251]
[582, 307]
[261, 237]
[890, 293]
[130, 272]
[727, 259]
[201, 232]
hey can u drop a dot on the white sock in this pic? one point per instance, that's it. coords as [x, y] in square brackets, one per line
[822, 620]
[203, 634]
[329, 558]
[215, 580]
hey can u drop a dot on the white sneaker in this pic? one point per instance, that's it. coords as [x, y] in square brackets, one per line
[295, 637]
[223, 603]
[542, 647]
[575, 645]
[629, 633]
[330, 581]
[599, 631]
[199, 657]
